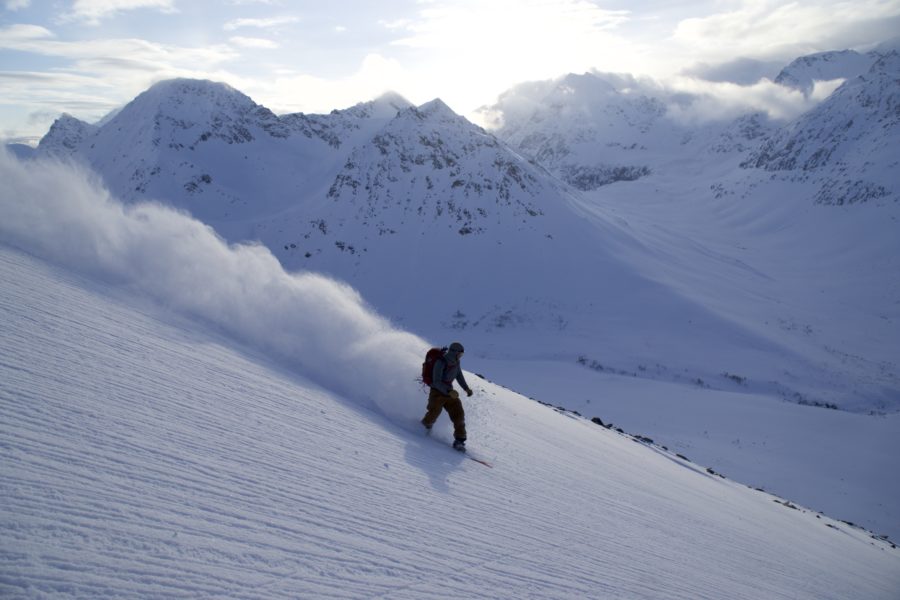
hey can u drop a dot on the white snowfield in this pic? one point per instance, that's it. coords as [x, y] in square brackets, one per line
[162, 437]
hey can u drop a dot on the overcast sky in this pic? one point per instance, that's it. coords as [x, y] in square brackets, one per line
[87, 57]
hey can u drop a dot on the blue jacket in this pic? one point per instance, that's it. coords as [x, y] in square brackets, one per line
[446, 370]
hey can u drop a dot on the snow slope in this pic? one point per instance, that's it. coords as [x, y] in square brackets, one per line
[157, 443]
[834, 461]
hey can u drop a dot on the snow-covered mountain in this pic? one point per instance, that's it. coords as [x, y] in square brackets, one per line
[65, 136]
[803, 73]
[181, 418]
[849, 144]
[210, 149]
[590, 130]
[429, 169]
[202, 146]
[597, 129]
[743, 134]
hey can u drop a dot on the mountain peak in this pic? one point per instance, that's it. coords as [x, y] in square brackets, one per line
[585, 83]
[385, 106]
[64, 136]
[803, 72]
[186, 85]
[437, 108]
[182, 113]
[392, 100]
[194, 95]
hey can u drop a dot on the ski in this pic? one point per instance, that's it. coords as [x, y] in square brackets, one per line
[465, 453]
[480, 461]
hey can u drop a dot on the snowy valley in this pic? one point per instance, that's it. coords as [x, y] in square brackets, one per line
[725, 289]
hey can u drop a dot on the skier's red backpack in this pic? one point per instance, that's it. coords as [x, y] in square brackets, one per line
[431, 357]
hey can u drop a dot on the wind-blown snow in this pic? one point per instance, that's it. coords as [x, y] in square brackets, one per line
[308, 321]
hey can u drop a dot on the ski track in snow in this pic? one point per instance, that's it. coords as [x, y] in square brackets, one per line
[144, 456]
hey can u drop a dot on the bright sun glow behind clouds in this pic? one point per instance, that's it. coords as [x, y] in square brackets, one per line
[473, 50]
[297, 92]
[467, 52]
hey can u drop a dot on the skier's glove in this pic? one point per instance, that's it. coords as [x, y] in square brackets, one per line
[469, 393]
[454, 394]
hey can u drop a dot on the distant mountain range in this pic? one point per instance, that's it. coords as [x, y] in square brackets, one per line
[588, 130]
[592, 130]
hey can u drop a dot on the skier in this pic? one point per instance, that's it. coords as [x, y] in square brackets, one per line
[443, 396]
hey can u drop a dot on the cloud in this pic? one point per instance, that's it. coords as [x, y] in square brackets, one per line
[687, 100]
[39, 40]
[513, 25]
[468, 50]
[260, 23]
[99, 74]
[48, 94]
[318, 327]
[770, 29]
[17, 4]
[438, 23]
[93, 11]
[297, 92]
[250, 42]
[13, 36]
[396, 23]
[742, 71]
[42, 116]
[700, 101]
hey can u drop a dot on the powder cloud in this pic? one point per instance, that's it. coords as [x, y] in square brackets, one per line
[316, 326]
